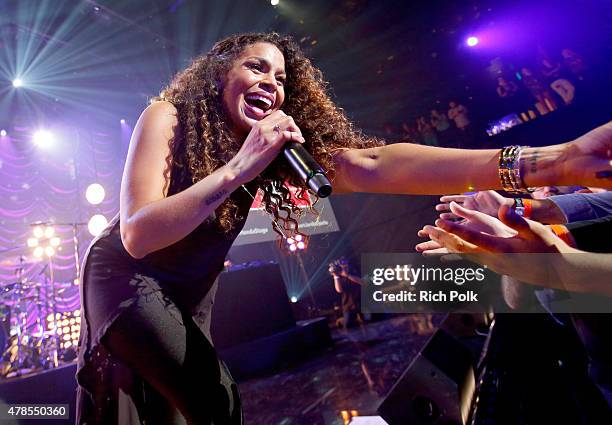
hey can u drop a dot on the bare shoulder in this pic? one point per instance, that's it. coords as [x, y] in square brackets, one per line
[157, 125]
[162, 112]
[144, 178]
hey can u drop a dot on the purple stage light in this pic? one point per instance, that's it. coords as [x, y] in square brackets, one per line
[472, 41]
[3, 133]
[122, 121]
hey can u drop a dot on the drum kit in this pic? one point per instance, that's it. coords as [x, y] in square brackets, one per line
[26, 345]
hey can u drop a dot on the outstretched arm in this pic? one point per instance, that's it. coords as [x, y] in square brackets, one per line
[415, 169]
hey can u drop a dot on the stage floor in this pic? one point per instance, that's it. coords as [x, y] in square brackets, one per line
[353, 375]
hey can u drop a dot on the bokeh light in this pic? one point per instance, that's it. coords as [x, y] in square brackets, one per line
[95, 193]
[96, 224]
[43, 138]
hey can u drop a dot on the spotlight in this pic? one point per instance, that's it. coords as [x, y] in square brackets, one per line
[96, 224]
[17, 82]
[274, 2]
[55, 242]
[49, 232]
[39, 251]
[294, 299]
[43, 138]
[3, 133]
[38, 232]
[292, 248]
[50, 251]
[122, 121]
[32, 242]
[301, 245]
[95, 193]
[472, 41]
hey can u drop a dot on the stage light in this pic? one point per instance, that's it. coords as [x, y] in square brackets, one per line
[472, 41]
[38, 232]
[32, 242]
[274, 2]
[301, 245]
[298, 237]
[43, 138]
[50, 251]
[17, 82]
[95, 193]
[55, 242]
[122, 121]
[49, 232]
[292, 248]
[39, 251]
[294, 299]
[3, 133]
[96, 224]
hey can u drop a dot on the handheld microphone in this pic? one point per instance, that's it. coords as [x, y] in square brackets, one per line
[307, 168]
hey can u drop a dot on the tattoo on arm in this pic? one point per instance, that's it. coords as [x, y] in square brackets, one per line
[214, 198]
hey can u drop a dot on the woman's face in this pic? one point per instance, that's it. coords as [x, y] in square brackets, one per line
[254, 86]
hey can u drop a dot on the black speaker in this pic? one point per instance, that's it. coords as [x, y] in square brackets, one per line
[436, 388]
[250, 304]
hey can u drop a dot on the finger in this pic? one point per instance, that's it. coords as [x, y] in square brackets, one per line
[442, 207]
[439, 252]
[451, 198]
[463, 212]
[291, 136]
[450, 241]
[427, 246]
[287, 123]
[510, 218]
[449, 216]
[467, 236]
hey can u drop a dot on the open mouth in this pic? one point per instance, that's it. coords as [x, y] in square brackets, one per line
[258, 104]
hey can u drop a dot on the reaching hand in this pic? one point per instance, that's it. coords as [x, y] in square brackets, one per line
[474, 221]
[527, 237]
[487, 202]
[588, 159]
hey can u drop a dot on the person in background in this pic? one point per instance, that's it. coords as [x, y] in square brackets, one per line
[574, 62]
[542, 95]
[459, 114]
[428, 134]
[506, 88]
[553, 73]
[349, 287]
[440, 123]
[410, 133]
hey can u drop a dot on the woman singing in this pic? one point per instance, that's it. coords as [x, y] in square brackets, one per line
[197, 156]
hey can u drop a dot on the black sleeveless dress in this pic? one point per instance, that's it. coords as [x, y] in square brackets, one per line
[183, 276]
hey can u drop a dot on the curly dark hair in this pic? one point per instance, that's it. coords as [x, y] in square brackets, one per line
[203, 141]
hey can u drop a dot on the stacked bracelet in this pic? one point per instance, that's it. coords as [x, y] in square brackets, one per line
[510, 170]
